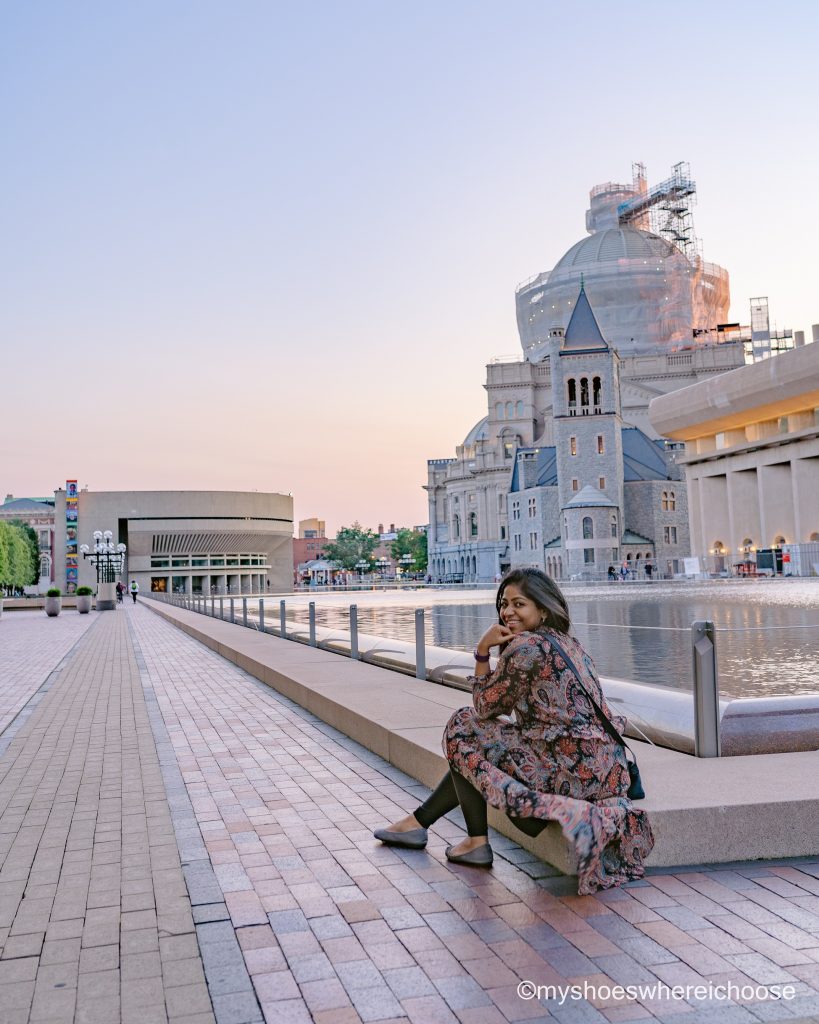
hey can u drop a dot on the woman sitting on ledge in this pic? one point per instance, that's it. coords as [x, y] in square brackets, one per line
[555, 762]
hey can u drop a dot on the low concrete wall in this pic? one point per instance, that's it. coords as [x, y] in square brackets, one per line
[703, 811]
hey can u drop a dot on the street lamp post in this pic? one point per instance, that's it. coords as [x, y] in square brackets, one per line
[362, 567]
[382, 564]
[109, 560]
[405, 561]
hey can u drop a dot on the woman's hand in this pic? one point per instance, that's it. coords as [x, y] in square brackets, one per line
[494, 636]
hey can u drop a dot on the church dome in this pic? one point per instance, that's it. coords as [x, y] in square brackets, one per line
[614, 244]
[480, 432]
[647, 294]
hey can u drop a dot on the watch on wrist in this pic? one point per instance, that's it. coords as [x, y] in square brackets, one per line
[480, 657]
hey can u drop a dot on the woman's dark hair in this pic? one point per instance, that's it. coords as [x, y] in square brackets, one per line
[542, 589]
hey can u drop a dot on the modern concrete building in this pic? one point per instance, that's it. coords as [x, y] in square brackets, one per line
[751, 461]
[204, 542]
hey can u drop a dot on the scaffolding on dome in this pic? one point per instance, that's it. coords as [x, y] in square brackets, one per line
[668, 205]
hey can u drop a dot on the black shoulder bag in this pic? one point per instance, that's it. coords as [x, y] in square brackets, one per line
[635, 789]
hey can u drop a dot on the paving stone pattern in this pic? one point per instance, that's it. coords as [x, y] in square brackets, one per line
[95, 919]
[335, 928]
[31, 647]
[180, 844]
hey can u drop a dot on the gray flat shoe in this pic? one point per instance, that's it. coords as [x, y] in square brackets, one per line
[415, 839]
[481, 857]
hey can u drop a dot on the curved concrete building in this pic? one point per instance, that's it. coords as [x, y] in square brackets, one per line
[195, 542]
[652, 291]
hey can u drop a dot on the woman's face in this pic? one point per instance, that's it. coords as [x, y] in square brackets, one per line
[519, 612]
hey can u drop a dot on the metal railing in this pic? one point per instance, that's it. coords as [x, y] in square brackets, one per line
[703, 651]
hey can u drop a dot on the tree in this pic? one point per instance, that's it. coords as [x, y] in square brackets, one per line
[352, 544]
[18, 565]
[411, 542]
[30, 536]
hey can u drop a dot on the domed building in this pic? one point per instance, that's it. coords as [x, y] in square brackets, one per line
[502, 501]
[651, 290]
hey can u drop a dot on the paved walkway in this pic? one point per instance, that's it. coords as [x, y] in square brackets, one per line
[178, 843]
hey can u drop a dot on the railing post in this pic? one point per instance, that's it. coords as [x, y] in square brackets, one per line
[706, 690]
[244, 611]
[282, 621]
[354, 632]
[221, 608]
[311, 611]
[420, 645]
[232, 610]
[261, 615]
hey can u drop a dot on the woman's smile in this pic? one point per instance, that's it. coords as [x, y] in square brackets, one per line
[518, 612]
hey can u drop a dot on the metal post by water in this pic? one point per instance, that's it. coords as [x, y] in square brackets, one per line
[354, 632]
[244, 611]
[232, 610]
[311, 608]
[261, 615]
[282, 621]
[706, 690]
[420, 645]
[221, 608]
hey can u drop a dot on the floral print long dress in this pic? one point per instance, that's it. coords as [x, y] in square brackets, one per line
[555, 761]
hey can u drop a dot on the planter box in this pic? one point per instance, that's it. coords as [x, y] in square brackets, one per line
[53, 605]
[84, 603]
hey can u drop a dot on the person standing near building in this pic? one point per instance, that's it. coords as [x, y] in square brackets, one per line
[134, 589]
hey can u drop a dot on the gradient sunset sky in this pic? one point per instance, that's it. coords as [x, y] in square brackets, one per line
[272, 246]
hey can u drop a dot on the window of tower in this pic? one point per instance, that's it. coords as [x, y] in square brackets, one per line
[519, 409]
[601, 445]
[572, 390]
[584, 396]
[597, 393]
[588, 528]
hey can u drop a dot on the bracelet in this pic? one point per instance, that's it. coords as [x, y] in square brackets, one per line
[480, 657]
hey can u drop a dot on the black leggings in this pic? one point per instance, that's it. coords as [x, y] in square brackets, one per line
[453, 789]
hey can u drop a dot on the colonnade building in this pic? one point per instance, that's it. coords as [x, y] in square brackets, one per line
[751, 461]
[194, 542]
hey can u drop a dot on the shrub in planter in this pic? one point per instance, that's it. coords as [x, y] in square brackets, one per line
[53, 601]
[84, 599]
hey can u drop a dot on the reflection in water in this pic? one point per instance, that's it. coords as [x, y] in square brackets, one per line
[770, 643]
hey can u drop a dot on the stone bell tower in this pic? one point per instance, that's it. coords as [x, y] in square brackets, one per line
[588, 441]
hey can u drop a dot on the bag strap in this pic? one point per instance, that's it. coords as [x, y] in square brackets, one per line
[605, 721]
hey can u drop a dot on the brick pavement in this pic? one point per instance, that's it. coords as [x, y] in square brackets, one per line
[161, 813]
[95, 920]
[31, 647]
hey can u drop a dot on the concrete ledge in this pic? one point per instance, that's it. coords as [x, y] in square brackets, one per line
[703, 811]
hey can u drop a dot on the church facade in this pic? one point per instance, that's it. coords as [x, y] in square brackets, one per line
[565, 472]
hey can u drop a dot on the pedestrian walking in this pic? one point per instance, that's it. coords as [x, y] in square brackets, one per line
[134, 589]
[120, 591]
[557, 761]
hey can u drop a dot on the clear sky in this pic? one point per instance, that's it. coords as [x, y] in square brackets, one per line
[272, 245]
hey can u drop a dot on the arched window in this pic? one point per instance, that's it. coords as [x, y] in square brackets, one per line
[473, 524]
[456, 526]
[664, 501]
[474, 566]
[462, 565]
[572, 390]
[597, 393]
[584, 395]
[672, 501]
[519, 409]
[614, 526]
[588, 528]
[719, 547]
[498, 410]
[510, 411]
